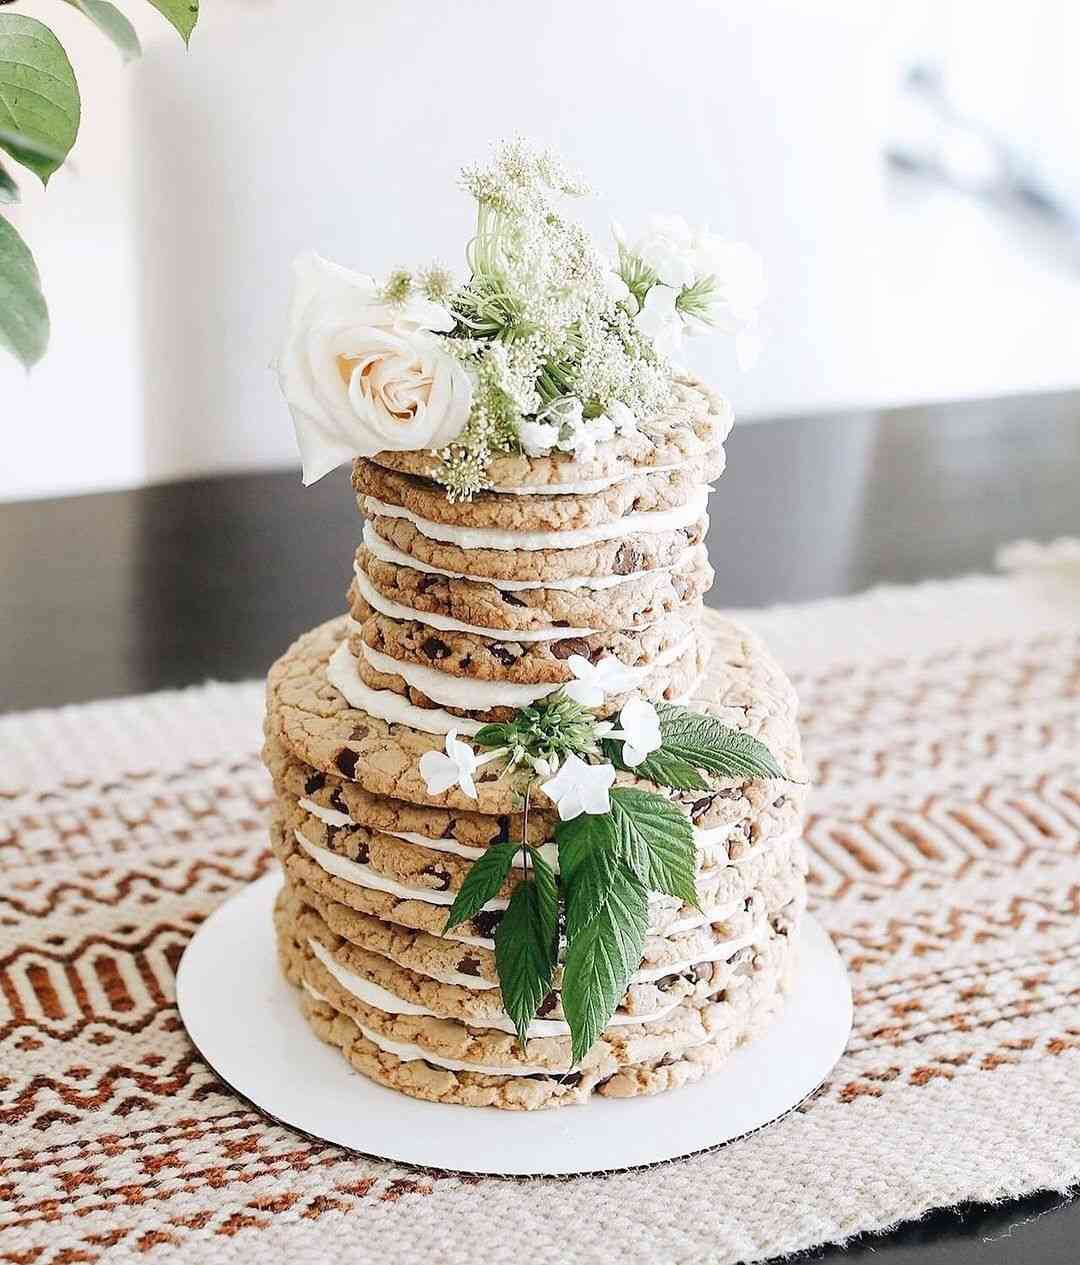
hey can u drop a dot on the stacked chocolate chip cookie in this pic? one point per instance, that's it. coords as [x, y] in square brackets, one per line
[461, 613]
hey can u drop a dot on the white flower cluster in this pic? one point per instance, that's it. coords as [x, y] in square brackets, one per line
[690, 281]
[547, 346]
[573, 785]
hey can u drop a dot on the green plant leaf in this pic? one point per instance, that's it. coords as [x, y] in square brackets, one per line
[183, 14]
[9, 190]
[481, 884]
[660, 767]
[707, 744]
[526, 946]
[108, 18]
[588, 854]
[600, 959]
[39, 98]
[656, 842]
[24, 318]
[492, 736]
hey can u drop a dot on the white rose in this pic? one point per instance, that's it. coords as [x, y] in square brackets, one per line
[363, 376]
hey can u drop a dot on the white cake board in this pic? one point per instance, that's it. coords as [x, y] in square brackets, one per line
[246, 1020]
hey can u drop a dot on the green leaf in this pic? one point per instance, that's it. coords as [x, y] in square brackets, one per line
[39, 99]
[661, 767]
[183, 14]
[492, 736]
[24, 318]
[9, 190]
[707, 744]
[526, 946]
[656, 842]
[588, 854]
[108, 18]
[486, 875]
[600, 959]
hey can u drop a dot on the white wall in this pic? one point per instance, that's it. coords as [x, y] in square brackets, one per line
[341, 126]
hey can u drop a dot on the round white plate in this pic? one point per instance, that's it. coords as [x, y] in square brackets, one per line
[246, 1020]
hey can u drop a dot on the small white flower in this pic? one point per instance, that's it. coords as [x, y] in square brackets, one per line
[739, 280]
[580, 788]
[538, 438]
[661, 320]
[616, 287]
[667, 247]
[440, 772]
[595, 680]
[622, 419]
[640, 731]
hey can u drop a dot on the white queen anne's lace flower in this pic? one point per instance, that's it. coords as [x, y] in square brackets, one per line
[454, 768]
[362, 375]
[593, 681]
[580, 788]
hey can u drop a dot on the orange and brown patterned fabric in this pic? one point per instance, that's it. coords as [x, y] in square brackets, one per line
[942, 728]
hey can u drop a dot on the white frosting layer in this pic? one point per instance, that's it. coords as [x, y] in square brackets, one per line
[444, 623]
[385, 704]
[330, 815]
[646, 522]
[411, 1053]
[474, 695]
[382, 999]
[386, 552]
[364, 876]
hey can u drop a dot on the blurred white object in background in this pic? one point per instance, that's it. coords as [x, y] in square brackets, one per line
[341, 127]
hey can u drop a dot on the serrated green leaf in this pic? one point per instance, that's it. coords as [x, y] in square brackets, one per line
[526, 947]
[659, 767]
[39, 98]
[183, 14]
[486, 875]
[108, 19]
[491, 736]
[707, 744]
[656, 842]
[588, 853]
[9, 190]
[600, 959]
[24, 317]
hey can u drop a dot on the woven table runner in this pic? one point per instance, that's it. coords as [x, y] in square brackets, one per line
[942, 728]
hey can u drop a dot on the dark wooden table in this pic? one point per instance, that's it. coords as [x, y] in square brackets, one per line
[211, 578]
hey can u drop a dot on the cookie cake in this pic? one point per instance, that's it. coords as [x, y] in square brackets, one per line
[538, 812]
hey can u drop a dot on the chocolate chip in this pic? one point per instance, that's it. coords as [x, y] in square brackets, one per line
[435, 648]
[571, 1079]
[700, 807]
[504, 656]
[780, 801]
[504, 831]
[628, 558]
[486, 921]
[337, 802]
[511, 600]
[363, 853]
[346, 761]
[564, 648]
[314, 783]
[469, 965]
[426, 582]
[437, 872]
[547, 1005]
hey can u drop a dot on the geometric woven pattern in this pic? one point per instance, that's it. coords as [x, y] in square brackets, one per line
[944, 840]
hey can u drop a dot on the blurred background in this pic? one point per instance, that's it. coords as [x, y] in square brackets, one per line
[908, 170]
